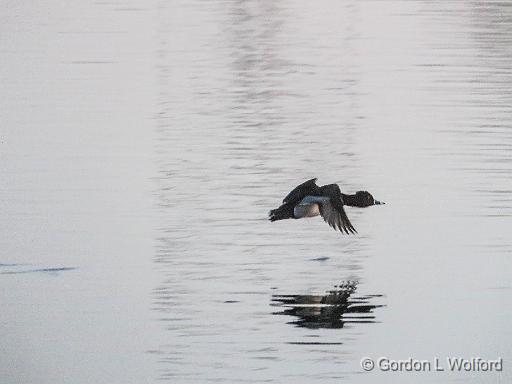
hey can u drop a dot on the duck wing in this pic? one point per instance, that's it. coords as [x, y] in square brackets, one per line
[301, 191]
[332, 209]
[336, 217]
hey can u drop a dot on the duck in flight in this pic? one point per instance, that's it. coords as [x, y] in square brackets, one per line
[309, 200]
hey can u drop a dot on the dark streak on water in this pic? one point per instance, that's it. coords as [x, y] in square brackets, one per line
[37, 270]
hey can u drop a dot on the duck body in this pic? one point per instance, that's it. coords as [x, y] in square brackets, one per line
[310, 200]
[309, 206]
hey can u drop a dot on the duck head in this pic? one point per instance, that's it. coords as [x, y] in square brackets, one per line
[361, 199]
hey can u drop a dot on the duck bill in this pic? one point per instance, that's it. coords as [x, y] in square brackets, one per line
[377, 202]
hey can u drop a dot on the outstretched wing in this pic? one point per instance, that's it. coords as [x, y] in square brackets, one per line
[332, 210]
[336, 217]
[306, 188]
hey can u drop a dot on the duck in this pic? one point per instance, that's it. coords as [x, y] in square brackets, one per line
[310, 200]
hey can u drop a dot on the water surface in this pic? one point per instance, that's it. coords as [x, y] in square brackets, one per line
[142, 145]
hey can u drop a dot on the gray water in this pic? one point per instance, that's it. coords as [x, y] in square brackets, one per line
[143, 143]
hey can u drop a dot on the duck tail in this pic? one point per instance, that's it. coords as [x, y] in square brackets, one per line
[285, 211]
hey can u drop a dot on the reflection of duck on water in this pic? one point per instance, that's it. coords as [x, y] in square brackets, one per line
[309, 200]
[333, 310]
